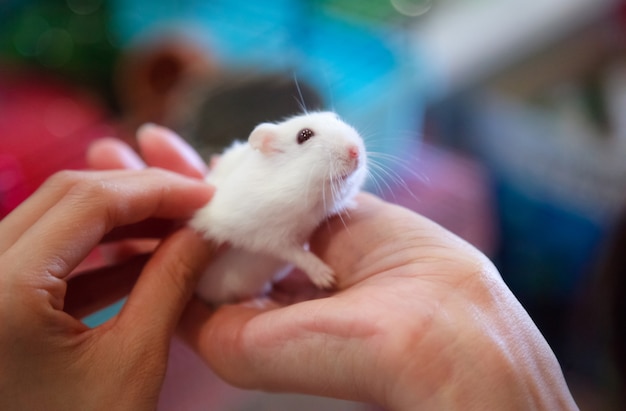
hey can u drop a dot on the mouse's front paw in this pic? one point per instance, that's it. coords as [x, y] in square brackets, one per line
[323, 277]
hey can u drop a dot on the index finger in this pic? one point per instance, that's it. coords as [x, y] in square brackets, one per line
[161, 147]
[94, 205]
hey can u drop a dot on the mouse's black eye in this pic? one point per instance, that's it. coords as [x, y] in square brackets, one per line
[304, 135]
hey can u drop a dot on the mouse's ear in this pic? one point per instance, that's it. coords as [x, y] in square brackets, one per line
[265, 138]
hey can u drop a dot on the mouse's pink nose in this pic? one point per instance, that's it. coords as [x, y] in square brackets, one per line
[353, 152]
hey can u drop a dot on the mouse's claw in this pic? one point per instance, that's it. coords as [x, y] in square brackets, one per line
[323, 278]
[318, 272]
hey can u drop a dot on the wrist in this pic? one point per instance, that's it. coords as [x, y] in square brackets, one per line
[479, 351]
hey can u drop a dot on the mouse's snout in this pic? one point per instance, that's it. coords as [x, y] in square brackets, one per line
[352, 157]
[353, 152]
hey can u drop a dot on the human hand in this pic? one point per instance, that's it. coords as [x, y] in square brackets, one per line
[48, 358]
[128, 247]
[421, 319]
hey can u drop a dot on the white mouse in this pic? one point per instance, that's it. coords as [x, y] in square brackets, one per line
[271, 193]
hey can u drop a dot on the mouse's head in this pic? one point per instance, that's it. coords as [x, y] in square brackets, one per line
[317, 146]
[319, 140]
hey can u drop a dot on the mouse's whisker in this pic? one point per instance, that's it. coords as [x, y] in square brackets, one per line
[376, 180]
[390, 177]
[329, 89]
[330, 168]
[379, 177]
[324, 193]
[307, 189]
[332, 178]
[300, 101]
[388, 171]
[406, 165]
[340, 215]
[382, 186]
[373, 137]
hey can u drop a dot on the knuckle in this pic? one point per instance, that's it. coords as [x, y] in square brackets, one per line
[65, 179]
[180, 274]
[90, 188]
[79, 185]
[88, 191]
[92, 195]
[159, 172]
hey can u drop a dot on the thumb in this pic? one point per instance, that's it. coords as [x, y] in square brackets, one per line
[166, 284]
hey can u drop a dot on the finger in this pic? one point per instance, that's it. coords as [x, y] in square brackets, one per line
[166, 284]
[193, 326]
[286, 349]
[95, 204]
[97, 289]
[163, 148]
[120, 251]
[150, 228]
[26, 214]
[364, 241]
[111, 153]
[29, 211]
[344, 241]
[217, 336]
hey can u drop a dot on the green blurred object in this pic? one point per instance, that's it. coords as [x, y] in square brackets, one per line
[376, 11]
[68, 38]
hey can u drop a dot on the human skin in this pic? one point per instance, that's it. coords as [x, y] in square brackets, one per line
[420, 319]
[48, 358]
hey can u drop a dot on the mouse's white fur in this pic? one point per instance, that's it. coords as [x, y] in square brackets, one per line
[271, 194]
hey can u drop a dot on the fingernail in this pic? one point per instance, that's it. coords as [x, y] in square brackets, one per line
[147, 128]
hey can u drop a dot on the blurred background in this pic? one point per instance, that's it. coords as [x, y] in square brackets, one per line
[503, 121]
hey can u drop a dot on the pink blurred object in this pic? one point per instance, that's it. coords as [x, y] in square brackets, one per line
[45, 126]
[450, 189]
